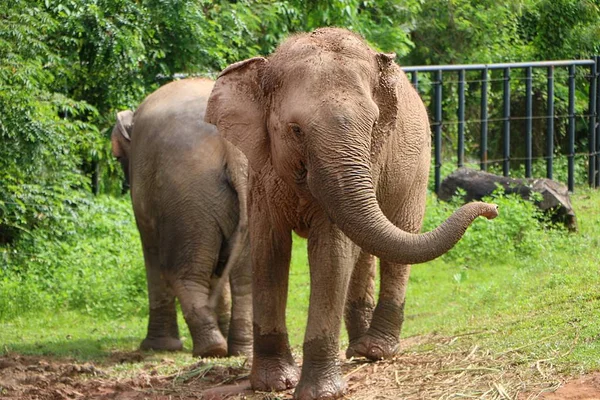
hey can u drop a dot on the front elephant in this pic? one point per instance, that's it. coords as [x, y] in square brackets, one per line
[188, 189]
[338, 144]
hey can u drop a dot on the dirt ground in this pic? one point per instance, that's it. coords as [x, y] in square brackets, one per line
[431, 374]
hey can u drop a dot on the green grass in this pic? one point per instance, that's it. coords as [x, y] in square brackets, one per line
[510, 285]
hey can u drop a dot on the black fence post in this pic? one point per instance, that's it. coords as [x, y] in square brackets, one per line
[484, 120]
[461, 118]
[438, 129]
[571, 130]
[506, 125]
[529, 122]
[592, 127]
[550, 124]
[415, 80]
[593, 115]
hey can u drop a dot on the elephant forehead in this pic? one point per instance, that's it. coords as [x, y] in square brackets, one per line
[330, 40]
[318, 59]
[320, 75]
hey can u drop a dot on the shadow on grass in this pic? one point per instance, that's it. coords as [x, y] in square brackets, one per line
[109, 349]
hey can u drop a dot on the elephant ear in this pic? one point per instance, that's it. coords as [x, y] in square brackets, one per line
[386, 98]
[120, 137]
[125, 123]
[237, 106]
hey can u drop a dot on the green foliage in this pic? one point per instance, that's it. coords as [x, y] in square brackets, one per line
[90, 262]
[562, 29]
[68, 66]
[544, 304]
[466, 31]
[40, 145]
[516, 232]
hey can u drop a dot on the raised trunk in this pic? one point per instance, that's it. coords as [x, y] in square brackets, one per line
[348, 197]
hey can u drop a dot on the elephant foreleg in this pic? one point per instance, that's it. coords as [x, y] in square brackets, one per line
[273, 367]
[331, 257]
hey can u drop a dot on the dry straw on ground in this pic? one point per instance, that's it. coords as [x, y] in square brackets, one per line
[431, 367]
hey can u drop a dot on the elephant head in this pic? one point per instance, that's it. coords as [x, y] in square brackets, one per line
[318, 111]
[121, 139]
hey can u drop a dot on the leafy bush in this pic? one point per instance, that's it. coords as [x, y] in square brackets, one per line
[91, 262]
[517, 231]
[41, 147]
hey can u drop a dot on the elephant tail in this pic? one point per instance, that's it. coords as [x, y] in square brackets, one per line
[237, 172]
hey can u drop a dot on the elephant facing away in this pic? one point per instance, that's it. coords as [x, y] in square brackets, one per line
[338, 145]
[188, 189]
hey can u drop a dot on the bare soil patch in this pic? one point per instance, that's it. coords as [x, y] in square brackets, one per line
[433, 373]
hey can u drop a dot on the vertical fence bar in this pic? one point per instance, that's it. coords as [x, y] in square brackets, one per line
[506, 125]
[414, 78]
[597, 59]
[571, 130]
[438, 129]
[528, 122]
[483, 155]
[550, 124]
[592, 127]
[461, 118]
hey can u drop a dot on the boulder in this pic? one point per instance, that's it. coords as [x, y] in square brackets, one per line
[478, 184]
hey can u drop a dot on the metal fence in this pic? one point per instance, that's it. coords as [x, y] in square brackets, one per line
[437, 73]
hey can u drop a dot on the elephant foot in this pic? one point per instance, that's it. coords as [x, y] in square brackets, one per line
[332, 387]
[273, 374]
[373, 348]
[210, 344]
[216, 349]
[321, 374]
[161, 344]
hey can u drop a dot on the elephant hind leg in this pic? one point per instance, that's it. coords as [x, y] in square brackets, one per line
[239, 340]
[223, 306]
[360, 301]
[208, 341]
[191, 282]
[163, 332]
[382, 340]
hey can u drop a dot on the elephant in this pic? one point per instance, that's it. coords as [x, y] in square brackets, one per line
[188, 190]
[338, 147]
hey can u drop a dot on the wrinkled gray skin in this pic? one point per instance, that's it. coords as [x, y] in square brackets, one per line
[338, 144]
[188, 189]
[555, 200]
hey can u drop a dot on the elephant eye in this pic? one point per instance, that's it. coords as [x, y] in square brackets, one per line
[295, 128]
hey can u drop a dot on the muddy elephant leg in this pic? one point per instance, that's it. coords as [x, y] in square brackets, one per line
[382, 340]
[191, 282]
[239, 340]
[273, 367]
[360, 301]
[163, 333]
[331, 257]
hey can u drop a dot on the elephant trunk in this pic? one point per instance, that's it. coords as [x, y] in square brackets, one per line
[348, 196]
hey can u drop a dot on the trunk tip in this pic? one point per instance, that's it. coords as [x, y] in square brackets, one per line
[490, 211]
